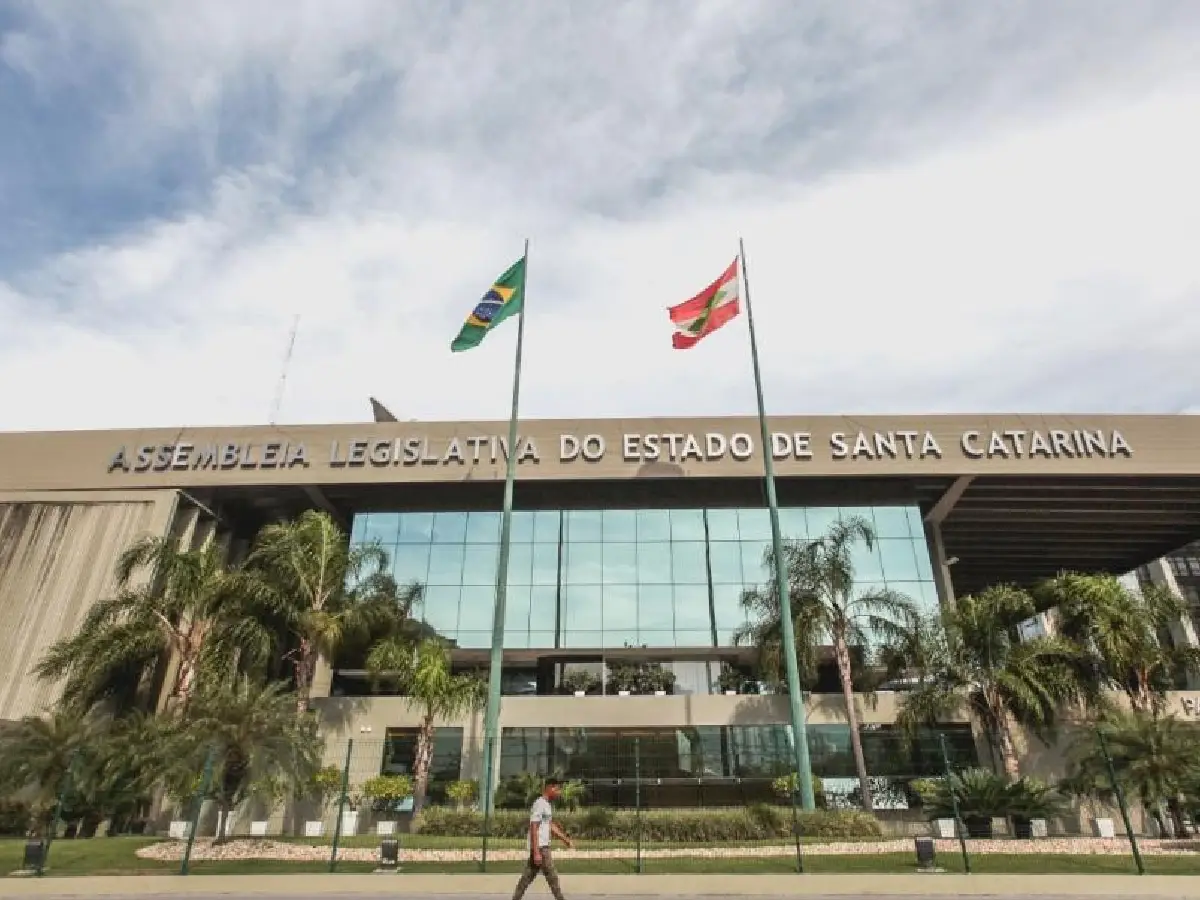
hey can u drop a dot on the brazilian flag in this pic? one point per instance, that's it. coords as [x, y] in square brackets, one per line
[505, 298]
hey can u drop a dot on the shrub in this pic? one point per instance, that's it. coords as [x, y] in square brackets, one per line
[685, 826]
[786, 785]
[14, 818]
[462, 793]
[983, 794]
[386, 791]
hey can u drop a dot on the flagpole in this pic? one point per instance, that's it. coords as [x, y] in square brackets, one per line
[795, 698]
[491, 729]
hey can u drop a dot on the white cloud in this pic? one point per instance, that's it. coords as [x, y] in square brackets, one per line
[1042, 257]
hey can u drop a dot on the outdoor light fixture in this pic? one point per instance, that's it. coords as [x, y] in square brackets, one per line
[926, 855]
[389, 855]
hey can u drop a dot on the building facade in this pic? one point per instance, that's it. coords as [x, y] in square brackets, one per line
[633, 542]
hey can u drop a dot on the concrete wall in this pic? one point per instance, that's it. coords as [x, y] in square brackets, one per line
[57, 555]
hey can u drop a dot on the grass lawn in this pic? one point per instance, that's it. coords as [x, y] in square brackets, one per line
[116, 856]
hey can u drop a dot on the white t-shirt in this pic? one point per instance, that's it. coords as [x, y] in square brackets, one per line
[540, 814]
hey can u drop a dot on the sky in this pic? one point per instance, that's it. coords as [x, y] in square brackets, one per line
[946, 206]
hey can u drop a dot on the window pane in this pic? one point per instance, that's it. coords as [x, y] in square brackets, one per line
[727, 605]
[620, 525]
[445, 564]
[891, 522]
[584, 605]
[474, 640]
[819, 520]
[924, 564]
[584, 563]
[653, 525]
[899, 563]
[691, 608]
[754, 524]
[483, 527]
[516, 610]
[620, 611]
[380, 528]
[723, 524]
[478, 604]
[441, 609]
[410, 562]
[753, 569]
[584, 525]
[583, 639]
[541, 640]
[687, 525]
[726, 559]
[655, 608]
[545, 526]
[542, 603]
[916, 528]
[449, 527]
[479, 563]
[545, 563]
[522, 526]
[358, 527]
[416, 528]
[867, 564]
[793, 523]
[657, 638]
[620, 563]
[693, 638]
[520, 563]
[654, 563]
[687, 563]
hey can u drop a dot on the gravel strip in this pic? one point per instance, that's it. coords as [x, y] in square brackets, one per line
[244, 849]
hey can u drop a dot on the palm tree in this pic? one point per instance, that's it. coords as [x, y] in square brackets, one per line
[825, 602]
[38, 757]
[169, 601]
[1122, 635]
[423, 673]
[250, 733]
[981, 665]
[318, 591]
[1155, 758]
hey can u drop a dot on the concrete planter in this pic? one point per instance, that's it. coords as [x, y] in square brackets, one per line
[581, 693]
[258, 829]
[178, 829]
[944, 828]
[314, 828]
[385, 829]
[1105, 828]
[622, 693]
[350, 823]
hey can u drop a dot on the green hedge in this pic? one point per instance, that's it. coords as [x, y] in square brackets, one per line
[686, 826]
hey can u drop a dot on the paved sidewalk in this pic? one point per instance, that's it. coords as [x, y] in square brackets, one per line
[300, 887]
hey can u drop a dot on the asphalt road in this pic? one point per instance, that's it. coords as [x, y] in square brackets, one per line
[540, 892]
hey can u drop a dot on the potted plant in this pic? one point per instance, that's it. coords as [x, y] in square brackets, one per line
[321, 788]
[350, 814]
[730, 681]
[182, 794]
[662, 680]
[580, 682]
[983, 796]
[385, 792]
[786, 787]
[266, 794]
[623, 676]
[462, 793]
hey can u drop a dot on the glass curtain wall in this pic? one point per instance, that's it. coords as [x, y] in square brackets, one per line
[600, 579]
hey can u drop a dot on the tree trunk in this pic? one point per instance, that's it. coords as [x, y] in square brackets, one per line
[860, 762]
[1004, 739]
[222, 818]
[422, 763]
[185, 680]
[305, 664]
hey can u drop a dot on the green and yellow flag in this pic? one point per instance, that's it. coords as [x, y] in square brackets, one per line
[505, 298]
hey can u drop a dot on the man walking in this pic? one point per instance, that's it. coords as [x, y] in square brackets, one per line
[541, 828]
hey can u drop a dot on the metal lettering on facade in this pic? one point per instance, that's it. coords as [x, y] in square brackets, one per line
[670, 447]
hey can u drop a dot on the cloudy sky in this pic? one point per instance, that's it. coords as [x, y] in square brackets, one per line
[946, 206]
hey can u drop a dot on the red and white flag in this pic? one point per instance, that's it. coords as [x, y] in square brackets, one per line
[707, 311]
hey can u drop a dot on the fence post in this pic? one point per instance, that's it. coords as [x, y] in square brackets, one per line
[488, 759]
[198, 799]
[637, 799]
[56, 819]
[337, 826]
[795, 789]
[1112, 776]
[959, 825]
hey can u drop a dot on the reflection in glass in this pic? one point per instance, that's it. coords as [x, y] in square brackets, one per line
[585, 604]
[380, 528]
[545, 526]
[726, 560]
[687, 563]
[620, 563]
[723, 525]
[755, 524]
[656, 608]
[891, 522]
[449, 527]
[653, 525]
[479, 564]
[545, 563]
[687, 525]
[620, 525]
[585, 563]
[483, 528]
[691, 608]
[584, 525]
[898, 560]
[654, 563]
[446, 564]
[415, 528]
[410, 562]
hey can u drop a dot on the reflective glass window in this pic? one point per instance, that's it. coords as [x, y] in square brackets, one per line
[545, 526]
[654, 563]
[584, 525]
[585, 604]
[727, 607]
[723, 525]
[545, 563]
[687, 525]
[479, 563]
[726, 558]
[866, 562]
[483, 527]
[687, 563]
[516, 610]
[620, 525]
[410, 562]
[585, 563]
[449, 527]
[445, 564]
[521, 527]
[358, 527]
[654, 638]
[754, 569]
[899, 561]
[620, 563]
[754, 524]
[477, 604]
[924, 564]
[691, 608]
[380, 528]
[793, 523]
[520, 563]
[655, 608]
[441, 608]
[819, 519]
[415, 528]
[653, 525]
[543, 602]
[891, 522]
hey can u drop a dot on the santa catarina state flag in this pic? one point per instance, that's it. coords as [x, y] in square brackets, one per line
[503, 299]
[707, 311]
